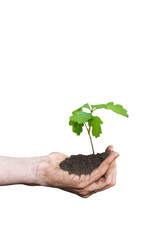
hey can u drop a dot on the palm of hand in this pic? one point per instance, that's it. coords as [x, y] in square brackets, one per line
[85, 185]
[56, 177]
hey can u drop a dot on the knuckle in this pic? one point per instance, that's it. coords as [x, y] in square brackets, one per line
[83, 193]
[109, 182]
[114, 183]
[99, 171]
[85, 196]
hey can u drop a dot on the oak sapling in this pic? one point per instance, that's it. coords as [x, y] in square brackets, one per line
[81, 118]
[85, 164]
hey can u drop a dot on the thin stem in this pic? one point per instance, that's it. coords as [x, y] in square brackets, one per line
[88, 130]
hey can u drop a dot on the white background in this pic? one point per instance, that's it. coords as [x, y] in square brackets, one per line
[56, 56]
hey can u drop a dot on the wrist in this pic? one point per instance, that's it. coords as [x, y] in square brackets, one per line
[35, 170]
[16, 170]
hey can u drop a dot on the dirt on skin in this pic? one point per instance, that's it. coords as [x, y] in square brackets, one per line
[83, 164]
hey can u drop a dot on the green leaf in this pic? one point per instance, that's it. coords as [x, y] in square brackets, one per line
[86, 106]
[108, 105]
[77, 110]
[98, 106]
[81, 117]
[80, 109]
[115, 108]
[95, 123]
[76, 127]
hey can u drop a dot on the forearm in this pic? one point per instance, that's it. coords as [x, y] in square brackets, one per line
[17, 170]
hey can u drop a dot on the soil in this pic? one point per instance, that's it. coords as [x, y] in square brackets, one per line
[83, 164]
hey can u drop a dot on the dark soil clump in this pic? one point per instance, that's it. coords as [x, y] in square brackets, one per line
[83, 164]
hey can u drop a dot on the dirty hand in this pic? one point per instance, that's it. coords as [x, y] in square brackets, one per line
[101, 178]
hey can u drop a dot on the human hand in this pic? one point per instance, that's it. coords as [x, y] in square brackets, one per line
[101, 178]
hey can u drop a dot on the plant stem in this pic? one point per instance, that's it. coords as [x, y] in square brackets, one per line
[88, 130]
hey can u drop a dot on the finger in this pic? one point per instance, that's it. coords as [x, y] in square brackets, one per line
[107, 173]
[109, 148]
[114, 174]
[102, 183]
[113, 182]
[101, 170]
[108, 176]
[98, 186]
[113, 165]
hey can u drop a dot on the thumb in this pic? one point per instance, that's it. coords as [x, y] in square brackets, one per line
[109, 148]
[111, 158]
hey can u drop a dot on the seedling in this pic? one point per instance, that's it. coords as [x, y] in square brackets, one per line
[80, 118]
[85, 164]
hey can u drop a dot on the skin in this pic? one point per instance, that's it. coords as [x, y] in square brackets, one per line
[45, 171]
[85, 185]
